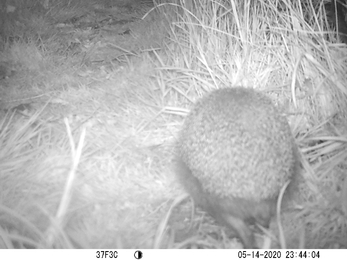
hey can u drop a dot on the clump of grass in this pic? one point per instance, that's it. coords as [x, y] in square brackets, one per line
[282, 48]
[119, 195]
[21, 145]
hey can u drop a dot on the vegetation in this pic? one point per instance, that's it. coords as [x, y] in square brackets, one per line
[94, 93]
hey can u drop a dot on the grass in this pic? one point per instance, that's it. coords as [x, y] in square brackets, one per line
[89, 165]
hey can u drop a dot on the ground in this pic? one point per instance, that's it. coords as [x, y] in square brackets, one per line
[93, 95]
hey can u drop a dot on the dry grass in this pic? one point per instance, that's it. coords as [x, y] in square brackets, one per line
[88, 164]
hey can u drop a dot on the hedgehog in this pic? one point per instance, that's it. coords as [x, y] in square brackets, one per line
[235, 153]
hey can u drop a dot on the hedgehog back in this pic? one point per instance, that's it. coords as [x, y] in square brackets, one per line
[236, 143]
